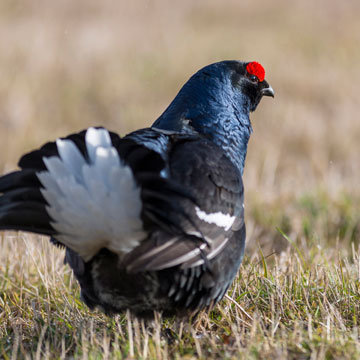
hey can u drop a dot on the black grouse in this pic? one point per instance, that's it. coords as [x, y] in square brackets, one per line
[153, 220]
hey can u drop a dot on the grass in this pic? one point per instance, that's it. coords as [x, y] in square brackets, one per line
[67, 66]
[301, 304]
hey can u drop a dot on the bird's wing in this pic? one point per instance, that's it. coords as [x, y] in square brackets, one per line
[208, 224]
[160, 208]
[88, 192]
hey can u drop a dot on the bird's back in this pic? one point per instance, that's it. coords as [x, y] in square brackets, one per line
[182, 268]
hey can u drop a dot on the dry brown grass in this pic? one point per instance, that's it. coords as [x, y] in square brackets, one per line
[67, 65]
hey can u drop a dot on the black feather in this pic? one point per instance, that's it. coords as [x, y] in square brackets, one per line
[26, 194]
[17, 179]
[192, 158]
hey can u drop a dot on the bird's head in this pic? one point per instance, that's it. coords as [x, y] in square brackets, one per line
[249, 79]
[235, 82]
[216, 92]
[216, 102]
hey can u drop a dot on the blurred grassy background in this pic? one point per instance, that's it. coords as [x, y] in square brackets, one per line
[67, 65]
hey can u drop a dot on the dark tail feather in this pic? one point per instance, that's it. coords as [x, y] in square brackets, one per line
[22, 206]
[26, 216]
[19, 179]
[21, 194]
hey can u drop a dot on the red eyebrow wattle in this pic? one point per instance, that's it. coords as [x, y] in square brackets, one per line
[255, 68]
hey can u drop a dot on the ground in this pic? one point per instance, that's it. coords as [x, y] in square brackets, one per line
[68, 65]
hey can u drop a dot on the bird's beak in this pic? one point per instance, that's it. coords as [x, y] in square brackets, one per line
[268, 91]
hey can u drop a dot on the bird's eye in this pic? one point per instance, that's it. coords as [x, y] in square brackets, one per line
[253, 78]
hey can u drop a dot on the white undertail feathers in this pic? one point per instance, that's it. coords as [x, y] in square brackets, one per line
[94, 203]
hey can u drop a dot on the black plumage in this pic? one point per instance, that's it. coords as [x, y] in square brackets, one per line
[171, 198]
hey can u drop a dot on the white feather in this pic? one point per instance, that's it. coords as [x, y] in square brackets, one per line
[93, 204]
[218, 218]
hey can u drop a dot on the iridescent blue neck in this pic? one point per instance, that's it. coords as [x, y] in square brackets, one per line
[209, 105]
